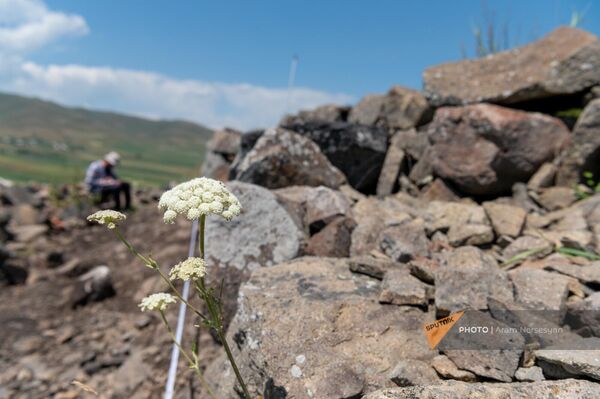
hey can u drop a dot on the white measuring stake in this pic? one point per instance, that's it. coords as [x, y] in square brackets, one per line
[170, 388]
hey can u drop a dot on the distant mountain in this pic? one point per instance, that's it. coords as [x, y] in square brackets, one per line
[44, 141]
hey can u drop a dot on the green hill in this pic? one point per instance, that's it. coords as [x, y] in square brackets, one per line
[46, 142]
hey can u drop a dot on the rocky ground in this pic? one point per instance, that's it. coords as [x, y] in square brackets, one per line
[360, 225]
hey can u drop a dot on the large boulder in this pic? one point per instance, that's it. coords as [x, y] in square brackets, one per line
[358, 151]
[484, 149]
[400, 108]
[311, 328]
[583, 152]
[263, 235]
[564, 62]
[565, 389]
[282, 158]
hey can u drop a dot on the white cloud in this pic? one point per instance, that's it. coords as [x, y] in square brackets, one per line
[215, 104]
[27, 25]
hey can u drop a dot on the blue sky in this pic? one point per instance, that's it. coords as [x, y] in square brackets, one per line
[227, 63]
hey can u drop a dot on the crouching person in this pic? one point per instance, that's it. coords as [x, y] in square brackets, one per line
[102, 181]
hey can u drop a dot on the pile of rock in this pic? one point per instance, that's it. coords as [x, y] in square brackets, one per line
[360, 225]
[407, 140]
[475, 193]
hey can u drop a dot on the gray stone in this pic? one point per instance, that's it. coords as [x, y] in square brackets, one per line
[531, 325]
[554, 198]
[581, 153]
[95, 285]
[324, 113]
[28, 233]
[422, 171]
[480, 353]
[316, 309]
[333, 240]
[132, 374]
[313, 207]
[400, 288]
[373, 267]
[529, 374]
[215, 166]
[484, 149]
[470, 234]
[413, 372]
[221, 150]
[588, 274]
[400, 108]
[507, 220]
[439, 191]
[371, 214]
[447, 369]
[405, 241]
[357, 150]
[527, 243]
[282, 158]
[441, 216]
[565, 389]
[565, 61]
[339, 380]
[541, 290]
[263, 235]
[565, 363]
[424, 268]
[584, 315]
[544, 177]
[392, 166]
[469, 267]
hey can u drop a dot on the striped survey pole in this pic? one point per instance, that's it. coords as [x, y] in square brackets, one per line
[170, 387]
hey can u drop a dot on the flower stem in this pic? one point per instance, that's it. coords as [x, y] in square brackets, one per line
[215, 312]
[232, 361]
[193, 364]
[153, 265]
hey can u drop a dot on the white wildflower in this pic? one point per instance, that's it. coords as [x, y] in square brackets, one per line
[169, 216]
[193, 213]
[108, 217]
[158, 301]
[198, 197]
[189, 269]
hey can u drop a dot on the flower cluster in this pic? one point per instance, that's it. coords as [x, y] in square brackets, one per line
[189, 269]
[198, 197]
[107, 217]
[158, 302]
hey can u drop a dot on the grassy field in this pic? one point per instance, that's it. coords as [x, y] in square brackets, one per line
[45, 142]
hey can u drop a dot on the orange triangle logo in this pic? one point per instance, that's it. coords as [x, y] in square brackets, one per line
[436, 330]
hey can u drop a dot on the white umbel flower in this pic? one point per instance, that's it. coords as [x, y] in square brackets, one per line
[198, 197]
[108, 217]
[189, 269]
[156, 302]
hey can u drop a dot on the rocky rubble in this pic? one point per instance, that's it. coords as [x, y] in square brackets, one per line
[359, 225]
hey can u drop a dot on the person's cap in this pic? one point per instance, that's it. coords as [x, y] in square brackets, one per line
[113, 158]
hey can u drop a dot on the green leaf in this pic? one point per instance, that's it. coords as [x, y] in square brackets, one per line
[521, 256]
[578, 252]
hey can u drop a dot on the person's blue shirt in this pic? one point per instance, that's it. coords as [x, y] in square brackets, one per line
[99, 176]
